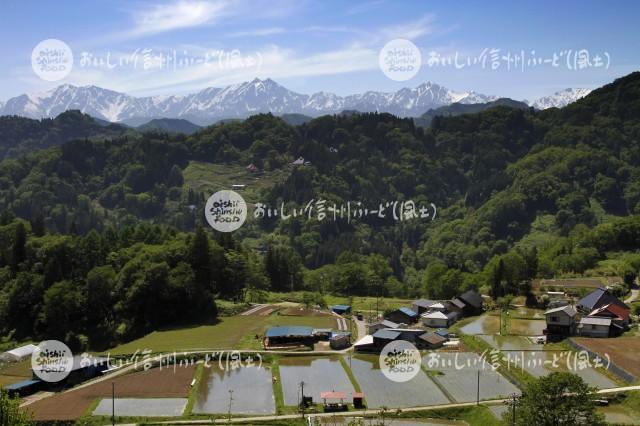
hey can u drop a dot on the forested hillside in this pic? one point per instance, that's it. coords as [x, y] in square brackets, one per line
[20, 135]
[520, 194]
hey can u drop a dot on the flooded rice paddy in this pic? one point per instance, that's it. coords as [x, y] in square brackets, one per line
[249, 390]
[318, 375]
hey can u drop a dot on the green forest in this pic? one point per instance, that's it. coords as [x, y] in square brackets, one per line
[103, 236]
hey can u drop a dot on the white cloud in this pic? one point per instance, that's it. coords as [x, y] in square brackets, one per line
[260, 32]
[410, 30]
[176, 15]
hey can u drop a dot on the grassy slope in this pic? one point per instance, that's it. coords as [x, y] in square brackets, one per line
[210, 177]
[237, 332]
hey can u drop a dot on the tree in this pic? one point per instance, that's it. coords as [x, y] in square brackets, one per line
[18, 251]
[10, 413]
[556, 400]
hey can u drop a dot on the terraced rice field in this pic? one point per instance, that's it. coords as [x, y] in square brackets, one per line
[154, 383]
[318, 374]
[458, 376]
[248, 389]
[142, 407]
[382, 392]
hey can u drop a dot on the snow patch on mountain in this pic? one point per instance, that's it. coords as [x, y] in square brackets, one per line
[561, 98]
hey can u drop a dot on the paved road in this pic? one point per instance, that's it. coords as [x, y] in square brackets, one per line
[635, 294]
[361, 327]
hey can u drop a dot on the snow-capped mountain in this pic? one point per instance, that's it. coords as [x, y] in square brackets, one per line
[561, 98]
[235, 101]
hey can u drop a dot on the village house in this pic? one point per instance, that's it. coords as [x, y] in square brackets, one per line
[597, 299]
[439, 319]
[372, 328]
[382, 337]
[403, 315]
[594, 327]
[561, 321]
[468, 304]
[422, 305]
[619, 317]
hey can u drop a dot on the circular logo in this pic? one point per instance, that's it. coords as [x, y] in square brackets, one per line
[226, 211]
[52, 361]
[52, 59]
[400, 59]
[400, 361]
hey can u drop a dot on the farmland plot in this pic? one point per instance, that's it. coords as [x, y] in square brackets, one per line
[319, 375]
[143, 407]
[379, 391]
[458, 375]
[249, 390]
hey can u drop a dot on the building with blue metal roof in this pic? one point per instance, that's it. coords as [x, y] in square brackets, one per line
[402, 315]
[341, 309]
[289, 331]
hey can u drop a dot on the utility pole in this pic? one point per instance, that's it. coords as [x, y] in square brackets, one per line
[302, 404]
[230, 400]
[513, 408]
[478, 389]
[113, 403]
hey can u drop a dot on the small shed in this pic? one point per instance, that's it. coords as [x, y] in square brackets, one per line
[333, 401]
[19, 354]
[341, 309]
[358, 400]
[403, 315]
[340, 340]
[430, 340]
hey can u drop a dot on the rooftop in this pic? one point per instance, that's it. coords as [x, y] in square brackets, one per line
[290, 331]
[407, 312]
[568, 309]
[424, 303]
[595, 321]
[386, 334]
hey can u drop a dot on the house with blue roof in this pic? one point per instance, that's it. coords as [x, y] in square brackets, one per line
[285, 336]
[402, 315]
[341, 309]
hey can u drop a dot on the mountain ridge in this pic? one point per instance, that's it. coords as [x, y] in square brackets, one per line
[241, 101]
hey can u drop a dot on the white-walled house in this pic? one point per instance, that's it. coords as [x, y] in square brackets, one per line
[437, 319]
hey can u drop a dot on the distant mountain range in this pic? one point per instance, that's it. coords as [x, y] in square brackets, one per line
[242, 100]
[561, 98]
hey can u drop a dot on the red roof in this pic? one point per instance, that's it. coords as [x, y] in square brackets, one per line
[614, 309]
[333, 395]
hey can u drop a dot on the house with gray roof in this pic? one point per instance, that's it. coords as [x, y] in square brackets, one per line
[561, 321]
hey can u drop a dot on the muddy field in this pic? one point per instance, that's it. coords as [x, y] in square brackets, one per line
[623, 351]
[153, 383]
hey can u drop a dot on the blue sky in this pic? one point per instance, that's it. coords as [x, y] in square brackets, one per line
[310, 46]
